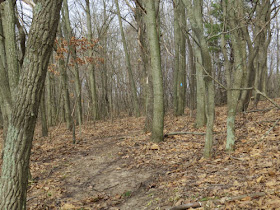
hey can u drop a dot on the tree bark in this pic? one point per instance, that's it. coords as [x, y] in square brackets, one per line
[158, 107]
[128, 66]
[44, 123]
[196, 20]
[21, 128]
[72, 48]
[8, 21]
[94, 108]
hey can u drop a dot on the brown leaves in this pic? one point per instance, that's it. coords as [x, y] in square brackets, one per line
[182, 174]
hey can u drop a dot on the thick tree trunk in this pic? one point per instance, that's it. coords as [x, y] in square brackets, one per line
[21, 128]
[158, 107]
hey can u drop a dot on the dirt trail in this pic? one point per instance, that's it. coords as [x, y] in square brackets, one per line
[95, 173]
[104, 171]
[115, 166]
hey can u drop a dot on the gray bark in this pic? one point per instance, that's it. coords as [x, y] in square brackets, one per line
[158, 107]
[128, 65]
[21, 128]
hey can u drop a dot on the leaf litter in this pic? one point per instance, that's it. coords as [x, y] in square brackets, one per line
[113, 165]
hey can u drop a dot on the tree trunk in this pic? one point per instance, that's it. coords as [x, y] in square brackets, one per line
[147, 80]
[72, 49]
[205, 63]
[192, 73]
[158, 107]
[94, 108]
[239, 48]
[21, 128]
[8, 21]
[44, 123]
[181, 84]
[128, 66]
[64, 83]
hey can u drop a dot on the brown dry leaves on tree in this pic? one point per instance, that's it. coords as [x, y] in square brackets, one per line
[178, 174]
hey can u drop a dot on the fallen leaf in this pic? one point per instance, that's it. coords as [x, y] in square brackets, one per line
[154, 147]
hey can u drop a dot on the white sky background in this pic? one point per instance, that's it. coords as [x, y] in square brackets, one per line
[77, 14]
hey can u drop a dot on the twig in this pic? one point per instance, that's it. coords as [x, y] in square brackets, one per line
[222, 200]
[206, 72]
[270, 129]
[269, 99]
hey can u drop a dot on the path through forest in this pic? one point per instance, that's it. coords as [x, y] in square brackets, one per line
[113, 165]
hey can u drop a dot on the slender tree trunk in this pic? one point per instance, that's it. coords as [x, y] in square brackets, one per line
[49, 100]
[64, 83]
[72, 49]
[8, 21]
[177, 56]
[94, 108]
[205, 63]
[158, 107]
[239, 65]
[128, 66]
[192, 74]
[44, 123]
[21, 128]
[145, 53]
[181, 84]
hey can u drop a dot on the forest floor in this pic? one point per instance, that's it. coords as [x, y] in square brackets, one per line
[113, 165]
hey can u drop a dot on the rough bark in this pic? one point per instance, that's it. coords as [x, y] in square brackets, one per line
[21, 128]
[8, 21]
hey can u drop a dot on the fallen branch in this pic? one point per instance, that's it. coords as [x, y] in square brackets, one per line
[183, 133]
[270, 129]
[260, 110]
[269, 99]
[222, 200]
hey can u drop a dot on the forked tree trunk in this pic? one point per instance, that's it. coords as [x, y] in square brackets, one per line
[21, 128]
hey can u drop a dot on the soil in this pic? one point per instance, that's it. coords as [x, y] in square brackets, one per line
[113, 165]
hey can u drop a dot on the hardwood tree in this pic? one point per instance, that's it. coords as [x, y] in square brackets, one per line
[20, 132]
[71, 38]
[205, 62]
[92, 79]
[128, 64]
[179, 95]
[154, 46]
